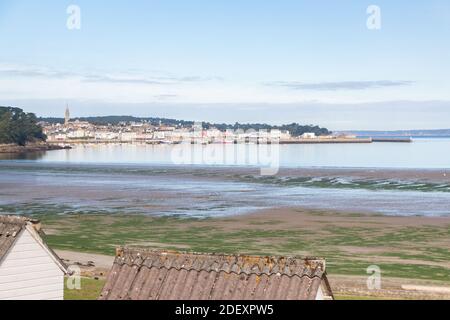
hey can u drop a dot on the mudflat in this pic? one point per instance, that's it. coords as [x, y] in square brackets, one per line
[33, 187]
[412, 252]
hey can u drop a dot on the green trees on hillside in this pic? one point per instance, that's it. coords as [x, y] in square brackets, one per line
[18, 127]
[294, 129]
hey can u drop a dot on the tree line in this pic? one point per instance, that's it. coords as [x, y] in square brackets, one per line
[294, 129]
[18, 127]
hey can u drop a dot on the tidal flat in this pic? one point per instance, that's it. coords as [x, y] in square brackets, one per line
[403, 247]
[396, 219]
[28, 187]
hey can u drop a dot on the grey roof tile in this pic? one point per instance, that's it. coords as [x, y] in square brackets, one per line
[164, 275]
[10, 228]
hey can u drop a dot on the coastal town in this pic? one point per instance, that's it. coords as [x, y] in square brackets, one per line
[224, 159]
[77, 131]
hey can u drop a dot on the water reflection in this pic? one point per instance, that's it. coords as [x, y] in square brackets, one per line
[421, 154]
[38, 155]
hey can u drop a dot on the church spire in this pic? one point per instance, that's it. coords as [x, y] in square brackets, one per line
[67, 115]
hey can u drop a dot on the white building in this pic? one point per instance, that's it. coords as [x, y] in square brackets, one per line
[106, 135]
[128, 136]
[214, 133]
[58, 137]
[309, 135]
[144, 136]
[161, 135]
[285, 135]
[29, 269]
[77, 134]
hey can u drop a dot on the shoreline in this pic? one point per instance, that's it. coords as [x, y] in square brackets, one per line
[34, 147]
[281, 142]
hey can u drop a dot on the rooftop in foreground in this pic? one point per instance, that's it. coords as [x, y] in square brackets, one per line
[140, 274]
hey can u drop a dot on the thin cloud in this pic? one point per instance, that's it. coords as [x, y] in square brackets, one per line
[158, 80]
[122, 78]
[34, 73]
[343, 85]
[166, 96]
[127, 80]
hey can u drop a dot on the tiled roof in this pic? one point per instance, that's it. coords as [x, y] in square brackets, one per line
[10, 228]
[163, 275]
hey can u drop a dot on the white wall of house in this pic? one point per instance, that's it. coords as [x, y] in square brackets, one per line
[28, 272]
[319, 295]
[322, 293]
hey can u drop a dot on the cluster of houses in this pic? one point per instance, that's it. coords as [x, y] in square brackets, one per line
[144, 132]
[30, 270]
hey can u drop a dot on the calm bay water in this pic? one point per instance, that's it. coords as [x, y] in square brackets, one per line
[212, 180]
[421, 154]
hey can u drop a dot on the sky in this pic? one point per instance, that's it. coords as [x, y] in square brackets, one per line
[312, 62]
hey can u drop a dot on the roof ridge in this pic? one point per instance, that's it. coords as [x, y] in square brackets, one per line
[121, 251]
[17, 220]
[237, 264]
[310, 275]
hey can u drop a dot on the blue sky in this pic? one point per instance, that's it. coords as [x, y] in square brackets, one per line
[271, 61]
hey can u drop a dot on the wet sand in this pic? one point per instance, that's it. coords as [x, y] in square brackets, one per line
[29, 188]
[310, 218]
[428, 175]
